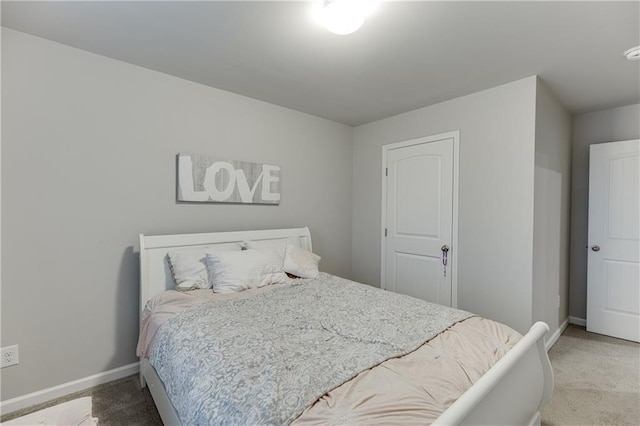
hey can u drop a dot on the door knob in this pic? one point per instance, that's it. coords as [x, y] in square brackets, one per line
[595, 248]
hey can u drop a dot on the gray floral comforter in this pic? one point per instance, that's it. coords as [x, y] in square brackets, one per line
[264, 359]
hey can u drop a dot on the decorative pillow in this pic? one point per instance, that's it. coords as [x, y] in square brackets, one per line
[300, 262]
[188, 267]
[240, 270]
[280, 245]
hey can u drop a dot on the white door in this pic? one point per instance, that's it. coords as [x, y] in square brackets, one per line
[613, 275]
[418, 218]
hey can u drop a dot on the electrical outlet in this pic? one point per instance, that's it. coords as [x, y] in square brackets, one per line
[9, 356]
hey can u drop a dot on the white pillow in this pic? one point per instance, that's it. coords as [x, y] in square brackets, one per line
[280, 244]
[236, 271]
[188, 267]
[300, 262]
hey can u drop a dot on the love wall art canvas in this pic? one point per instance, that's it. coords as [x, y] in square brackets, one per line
[203, 179]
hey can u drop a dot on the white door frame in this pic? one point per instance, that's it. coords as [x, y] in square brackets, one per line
[453, 254]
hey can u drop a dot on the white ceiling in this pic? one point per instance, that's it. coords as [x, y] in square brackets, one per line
[407, 55]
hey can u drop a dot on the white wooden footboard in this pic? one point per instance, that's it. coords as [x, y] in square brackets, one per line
[512, 392]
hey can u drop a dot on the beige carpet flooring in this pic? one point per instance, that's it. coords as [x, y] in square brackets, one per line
[597, 382]
[76, 412]
[116, 403]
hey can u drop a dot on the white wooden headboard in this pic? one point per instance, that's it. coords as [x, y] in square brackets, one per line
[155, 276]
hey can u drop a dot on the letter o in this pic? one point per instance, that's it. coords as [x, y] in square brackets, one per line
[213, 177]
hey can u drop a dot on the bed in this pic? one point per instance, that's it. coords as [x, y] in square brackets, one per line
[511, 391]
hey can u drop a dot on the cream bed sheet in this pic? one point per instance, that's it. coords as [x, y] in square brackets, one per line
[413, 389]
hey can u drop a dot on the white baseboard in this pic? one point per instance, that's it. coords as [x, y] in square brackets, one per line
[578, 321]
[45, 395]
[556, 335]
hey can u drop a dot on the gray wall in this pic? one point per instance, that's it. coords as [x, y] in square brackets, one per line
[617, 124]
[552, 207]
[89, 149]
[497, 128]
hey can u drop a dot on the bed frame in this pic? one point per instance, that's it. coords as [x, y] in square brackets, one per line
[512, 392]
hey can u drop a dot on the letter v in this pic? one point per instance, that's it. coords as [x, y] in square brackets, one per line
[246, 194]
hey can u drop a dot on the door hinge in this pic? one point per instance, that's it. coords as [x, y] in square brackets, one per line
[386, 171]
[385, 232]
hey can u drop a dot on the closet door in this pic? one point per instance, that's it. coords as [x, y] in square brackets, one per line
[418, 249]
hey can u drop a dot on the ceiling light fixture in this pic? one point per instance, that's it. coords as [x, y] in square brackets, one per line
[343, 16]
[632, 54]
